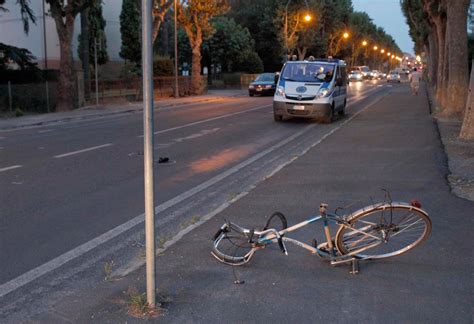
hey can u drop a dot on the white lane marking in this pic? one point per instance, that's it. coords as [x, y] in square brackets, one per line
[196, 135]
[10, 168]
[82, 151]
[57, 262]
[207, 120]
[45, 131]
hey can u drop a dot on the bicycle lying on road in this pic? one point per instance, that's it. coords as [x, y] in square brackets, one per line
[377, 231]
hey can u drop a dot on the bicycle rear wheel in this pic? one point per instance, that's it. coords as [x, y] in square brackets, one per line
[233, 246]
[383, 231]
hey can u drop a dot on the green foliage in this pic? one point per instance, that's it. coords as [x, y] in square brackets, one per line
[21, 56]
[249, 62]
[258, 17]
[96, 32]
[231, 46]
[163, 66]
[19, 112]
[130, 31]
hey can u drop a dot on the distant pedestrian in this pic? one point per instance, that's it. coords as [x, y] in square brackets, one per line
[415, 78]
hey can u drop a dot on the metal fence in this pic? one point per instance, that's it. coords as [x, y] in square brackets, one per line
[41, 97]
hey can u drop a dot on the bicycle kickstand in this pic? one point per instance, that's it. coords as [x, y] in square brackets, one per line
[354, 266]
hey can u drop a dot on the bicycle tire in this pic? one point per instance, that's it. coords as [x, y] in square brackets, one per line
[384, 223]
[233, 247]
[276, 221]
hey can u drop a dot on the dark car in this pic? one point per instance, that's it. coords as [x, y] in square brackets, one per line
[264, 84]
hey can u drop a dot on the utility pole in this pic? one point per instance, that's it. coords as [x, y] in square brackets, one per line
[176, 90]
[45, 58]
[96, 74]
[147, 64]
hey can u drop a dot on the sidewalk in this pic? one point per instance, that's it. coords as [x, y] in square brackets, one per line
[394, 144]
[112, 109]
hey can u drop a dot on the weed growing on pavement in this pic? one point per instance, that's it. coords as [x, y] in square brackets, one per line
[189, 222]
[108, 268]
[138, 306]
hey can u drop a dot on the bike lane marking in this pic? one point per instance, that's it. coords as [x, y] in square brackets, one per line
[82, 151]
[10, 168]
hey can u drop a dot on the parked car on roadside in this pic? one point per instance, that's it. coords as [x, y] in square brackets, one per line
[264, 84]
[355, 76]
[393, 76]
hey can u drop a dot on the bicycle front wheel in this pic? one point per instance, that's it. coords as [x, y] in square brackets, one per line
[383, 231]
[233, 246]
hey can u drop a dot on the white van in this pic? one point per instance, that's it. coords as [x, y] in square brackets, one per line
[311, 89]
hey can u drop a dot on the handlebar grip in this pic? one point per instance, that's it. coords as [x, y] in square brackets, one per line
[223, 229]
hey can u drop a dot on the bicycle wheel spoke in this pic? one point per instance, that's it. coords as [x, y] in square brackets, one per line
[381, 233]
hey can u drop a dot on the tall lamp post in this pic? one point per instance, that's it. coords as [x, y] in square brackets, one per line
[176, 91]
[307, 18]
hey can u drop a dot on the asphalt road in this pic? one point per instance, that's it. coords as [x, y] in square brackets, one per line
[388, 140]
[63, 185]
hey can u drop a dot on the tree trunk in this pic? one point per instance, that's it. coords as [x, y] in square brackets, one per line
[67, 85]
[457, 63]
[196, 69]
[85, 51]
[433, 59]
[467, 129]
[67, 90]
[441, 77]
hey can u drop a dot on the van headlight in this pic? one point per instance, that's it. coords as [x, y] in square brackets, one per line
[323, 92]
[280, 91]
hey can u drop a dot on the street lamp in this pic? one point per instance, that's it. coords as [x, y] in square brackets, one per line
[307, 18]
[382, 51]
[345, 35]
[364, 43]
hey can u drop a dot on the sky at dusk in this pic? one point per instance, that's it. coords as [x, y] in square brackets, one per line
[388, 15]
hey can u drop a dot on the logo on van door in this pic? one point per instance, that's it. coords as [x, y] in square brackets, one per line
[301, 89]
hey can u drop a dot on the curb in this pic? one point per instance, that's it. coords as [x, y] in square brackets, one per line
[135, 107]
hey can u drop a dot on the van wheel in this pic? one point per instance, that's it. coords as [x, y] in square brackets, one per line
[342, 112]
[277, 118]
[328, 119]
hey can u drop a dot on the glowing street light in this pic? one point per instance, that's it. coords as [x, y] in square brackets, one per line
[376, 48]
[364, 43]
[345, 35]
[388, 54]
[307, 18]
[382, 51]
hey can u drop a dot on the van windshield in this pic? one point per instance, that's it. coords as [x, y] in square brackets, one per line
[308, 72]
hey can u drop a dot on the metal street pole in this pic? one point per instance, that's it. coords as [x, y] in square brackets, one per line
[147, 63]
[176, 90]
[96, 74]
[45, 58]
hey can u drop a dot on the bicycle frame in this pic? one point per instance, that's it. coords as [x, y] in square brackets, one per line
[271, 236]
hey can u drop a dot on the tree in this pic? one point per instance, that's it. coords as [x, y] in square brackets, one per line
[130, 27]
[25, 11]
[96, 24]
[92, 31]
[259, 18]
[229, 44]
[64, 15]
[456, 45]
[130, 31]
[20, 56]
[195, 16]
